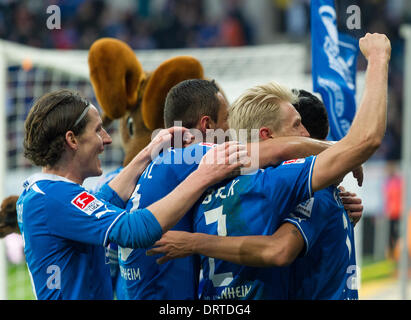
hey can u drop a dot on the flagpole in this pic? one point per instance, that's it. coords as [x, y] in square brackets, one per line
[405, 164]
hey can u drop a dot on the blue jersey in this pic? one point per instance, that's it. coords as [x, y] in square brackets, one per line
[64, 228]
[176, 279]
[106, 178]
[251, 205]
[328, 269]
[112, 248]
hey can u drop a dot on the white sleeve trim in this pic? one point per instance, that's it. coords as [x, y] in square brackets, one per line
[294, 222]
[105, 242]
[310, 174]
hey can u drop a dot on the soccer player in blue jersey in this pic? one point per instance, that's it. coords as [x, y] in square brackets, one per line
[111, 251]
[64, 226]
[205, 108]
[328, 268]
[242, 206]
[197, 104]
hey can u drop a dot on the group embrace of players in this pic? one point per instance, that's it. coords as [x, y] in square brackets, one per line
[280, 231]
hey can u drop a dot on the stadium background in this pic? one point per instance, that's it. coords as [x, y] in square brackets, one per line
[204, 26]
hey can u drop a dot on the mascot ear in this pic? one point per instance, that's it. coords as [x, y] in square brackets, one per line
[167, 75]
[116, 76]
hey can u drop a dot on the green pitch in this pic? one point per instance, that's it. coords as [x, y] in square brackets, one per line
[18, 282]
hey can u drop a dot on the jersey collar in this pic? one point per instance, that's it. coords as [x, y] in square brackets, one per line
[43, 176]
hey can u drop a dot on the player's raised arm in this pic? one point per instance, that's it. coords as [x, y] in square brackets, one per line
[368, 128]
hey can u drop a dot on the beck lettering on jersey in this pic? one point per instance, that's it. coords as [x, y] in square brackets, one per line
[87, 203]
[301, 160]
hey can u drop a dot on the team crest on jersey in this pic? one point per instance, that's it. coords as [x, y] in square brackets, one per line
[87, 202]
[301, 160]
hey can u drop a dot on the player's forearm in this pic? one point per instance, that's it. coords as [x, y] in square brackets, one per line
[368, 128]
[125, 182]
[271, 151]
[254, 251]
[369, 124]
[304, 148]
[299, 147]
[138, 230]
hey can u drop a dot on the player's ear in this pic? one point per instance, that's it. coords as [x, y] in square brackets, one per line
[205, 123]
[265, 133]
[71, 140]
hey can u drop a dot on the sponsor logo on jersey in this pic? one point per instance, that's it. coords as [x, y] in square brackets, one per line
[305, 208]
[124, 253]
[87, 203]
[301, 160]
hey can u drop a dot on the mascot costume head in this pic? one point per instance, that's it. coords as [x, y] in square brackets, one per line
[127, 92]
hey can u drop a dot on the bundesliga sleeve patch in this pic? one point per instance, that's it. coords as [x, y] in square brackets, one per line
[87, 202]
[301, 160]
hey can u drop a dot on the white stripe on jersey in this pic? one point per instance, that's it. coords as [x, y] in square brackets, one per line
[309, 177]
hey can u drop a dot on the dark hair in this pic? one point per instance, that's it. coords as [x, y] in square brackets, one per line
[313, 114]
[51, 116]
[189, 100]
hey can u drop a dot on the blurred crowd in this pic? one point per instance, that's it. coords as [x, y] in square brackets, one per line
[143, 24]
[160, 24]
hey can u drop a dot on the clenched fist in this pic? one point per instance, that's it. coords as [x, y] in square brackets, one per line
[375, 45]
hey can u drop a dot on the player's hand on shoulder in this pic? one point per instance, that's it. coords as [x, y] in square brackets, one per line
[170, 137]
[222, 161]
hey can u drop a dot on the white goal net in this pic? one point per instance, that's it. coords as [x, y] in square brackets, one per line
[26, 73]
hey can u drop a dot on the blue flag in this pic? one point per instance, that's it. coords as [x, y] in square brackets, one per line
[334, 66]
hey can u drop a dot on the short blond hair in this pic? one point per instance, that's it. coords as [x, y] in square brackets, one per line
[259, 107]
